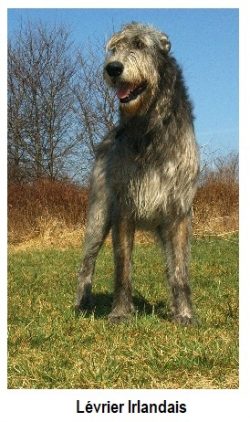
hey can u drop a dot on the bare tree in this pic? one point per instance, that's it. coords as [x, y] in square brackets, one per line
[95, 103]
[222, 168]
[58, 105]
[40, 102]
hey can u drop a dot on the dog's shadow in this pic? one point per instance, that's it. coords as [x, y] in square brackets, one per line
[102, 303]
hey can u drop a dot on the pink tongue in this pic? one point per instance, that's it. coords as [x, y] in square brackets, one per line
[123, 93]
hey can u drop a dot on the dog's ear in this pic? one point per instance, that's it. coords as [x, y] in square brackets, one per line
[165, 43]
[109, 45]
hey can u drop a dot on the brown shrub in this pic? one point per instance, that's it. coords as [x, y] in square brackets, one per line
[217, 199]
[51, 209]
[33, 205]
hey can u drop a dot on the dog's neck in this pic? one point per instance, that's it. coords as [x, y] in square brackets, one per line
[148, 120]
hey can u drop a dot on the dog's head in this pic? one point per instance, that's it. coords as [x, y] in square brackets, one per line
[132, 65]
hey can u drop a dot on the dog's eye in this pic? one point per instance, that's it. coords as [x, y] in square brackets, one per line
[112, 50]
[138, 43]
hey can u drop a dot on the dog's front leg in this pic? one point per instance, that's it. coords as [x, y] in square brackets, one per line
[123, 236]
[97, 227]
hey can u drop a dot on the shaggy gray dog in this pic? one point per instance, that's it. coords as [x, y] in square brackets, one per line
[145, 174]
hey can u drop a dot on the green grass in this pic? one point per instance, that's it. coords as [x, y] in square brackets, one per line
[51, 348]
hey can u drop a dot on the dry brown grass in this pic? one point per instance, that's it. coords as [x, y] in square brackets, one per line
[215, 208]
[216, 205]
[45, 210]
[46, 213]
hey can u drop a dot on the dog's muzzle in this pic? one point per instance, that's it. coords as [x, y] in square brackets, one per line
[125, 91]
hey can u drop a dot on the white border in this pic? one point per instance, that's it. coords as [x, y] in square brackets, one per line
[230, 405]
[127, 4]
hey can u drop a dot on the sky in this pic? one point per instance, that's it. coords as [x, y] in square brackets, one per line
[205, 43]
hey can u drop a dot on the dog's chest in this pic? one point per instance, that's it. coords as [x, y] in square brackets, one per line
[146, 193]
[145, 190]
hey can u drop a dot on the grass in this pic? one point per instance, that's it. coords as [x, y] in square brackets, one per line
[50, 348]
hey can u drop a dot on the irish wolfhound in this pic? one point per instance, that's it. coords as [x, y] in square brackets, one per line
[146, 169]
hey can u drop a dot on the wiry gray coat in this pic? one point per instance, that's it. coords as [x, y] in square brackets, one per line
[146, 169]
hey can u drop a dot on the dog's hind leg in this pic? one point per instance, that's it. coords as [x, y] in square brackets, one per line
[175, 241]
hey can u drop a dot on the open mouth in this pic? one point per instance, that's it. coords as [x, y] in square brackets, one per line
[129, 93]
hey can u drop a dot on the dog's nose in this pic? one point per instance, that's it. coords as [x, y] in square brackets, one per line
[114, 68]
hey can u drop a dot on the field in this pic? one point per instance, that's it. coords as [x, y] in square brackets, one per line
[58, 111]
[49, 347]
